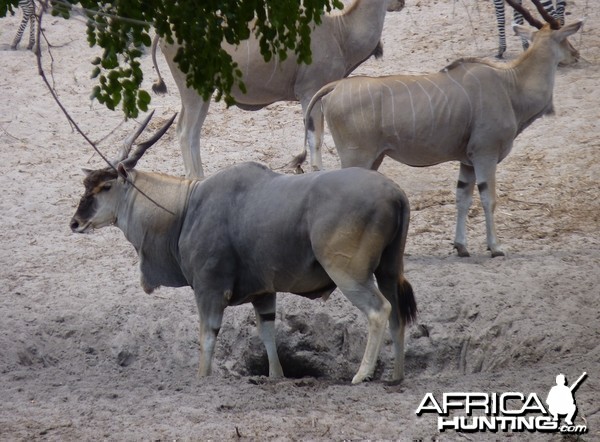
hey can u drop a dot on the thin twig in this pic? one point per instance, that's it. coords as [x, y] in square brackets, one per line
[41, 72]
[85, 12]
[12, 136]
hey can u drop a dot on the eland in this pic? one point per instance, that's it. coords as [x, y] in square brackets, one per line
[246, 233]
[338, 45]
[469, 112]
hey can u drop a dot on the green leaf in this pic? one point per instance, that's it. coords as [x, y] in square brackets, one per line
[282, 27]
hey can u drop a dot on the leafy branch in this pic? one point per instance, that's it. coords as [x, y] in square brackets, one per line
[122, 29]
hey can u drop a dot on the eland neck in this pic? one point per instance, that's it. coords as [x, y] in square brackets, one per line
[358, 28]
[154, 231]
[137, 216]
[534, 72]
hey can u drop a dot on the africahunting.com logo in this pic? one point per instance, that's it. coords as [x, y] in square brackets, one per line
[511, 411]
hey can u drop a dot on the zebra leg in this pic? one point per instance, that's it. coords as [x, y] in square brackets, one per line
[518, 18]
[501, 22]
[557, 12]
[560, 11]
[548, 6]
[31, 31]
[20, 31]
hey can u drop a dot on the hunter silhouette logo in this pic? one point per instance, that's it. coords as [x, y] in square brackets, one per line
[510, 411]
[560, 399]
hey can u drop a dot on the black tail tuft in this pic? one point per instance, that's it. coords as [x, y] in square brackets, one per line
[159, 87]
[406, 302]
[378, 51]
[297, 161]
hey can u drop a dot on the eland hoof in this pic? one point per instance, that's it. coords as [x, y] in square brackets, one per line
[461, 249]
[358, 379]
[496, 251]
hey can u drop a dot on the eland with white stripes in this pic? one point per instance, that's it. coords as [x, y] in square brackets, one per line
[469, 112]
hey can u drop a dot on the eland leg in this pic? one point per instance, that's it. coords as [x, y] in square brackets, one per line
[189, 127]
[314, 134]
[211, 317]
[388, 284]
[369, 300]
[464, 198]
[264, 308]
[349, 252]
[191, 118]
[485, 171]
[367, 158]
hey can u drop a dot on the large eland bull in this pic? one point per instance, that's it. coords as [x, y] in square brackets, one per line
[470, 112]
[246, 233]
[338, 45]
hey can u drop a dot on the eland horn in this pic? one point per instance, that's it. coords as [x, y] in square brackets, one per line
[554, 23]
[131, 160]
[526, 14]
[128, 143]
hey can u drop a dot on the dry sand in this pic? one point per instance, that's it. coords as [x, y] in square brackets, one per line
[85, 354]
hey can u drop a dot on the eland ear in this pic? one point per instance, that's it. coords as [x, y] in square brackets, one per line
[568, 30]
[523, 31]
[86, 171]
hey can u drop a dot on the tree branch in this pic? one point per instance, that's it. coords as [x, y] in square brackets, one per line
[38, 53]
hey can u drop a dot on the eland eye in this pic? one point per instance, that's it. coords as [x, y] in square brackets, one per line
[105, 186]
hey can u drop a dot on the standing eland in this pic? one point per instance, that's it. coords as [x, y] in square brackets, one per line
[470, 112]
[246, 233]
[338, 46]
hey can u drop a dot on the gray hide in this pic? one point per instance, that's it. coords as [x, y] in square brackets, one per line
[246, 233]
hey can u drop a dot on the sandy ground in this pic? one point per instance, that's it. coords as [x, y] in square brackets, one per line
[85, 354]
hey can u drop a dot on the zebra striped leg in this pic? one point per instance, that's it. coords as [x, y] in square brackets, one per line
[560, 11]
[500, 19]
[28, 8]
[556, 9]
[557, 12]
[548, 5]
[31, 32]
[20, 31]
[518, 18]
